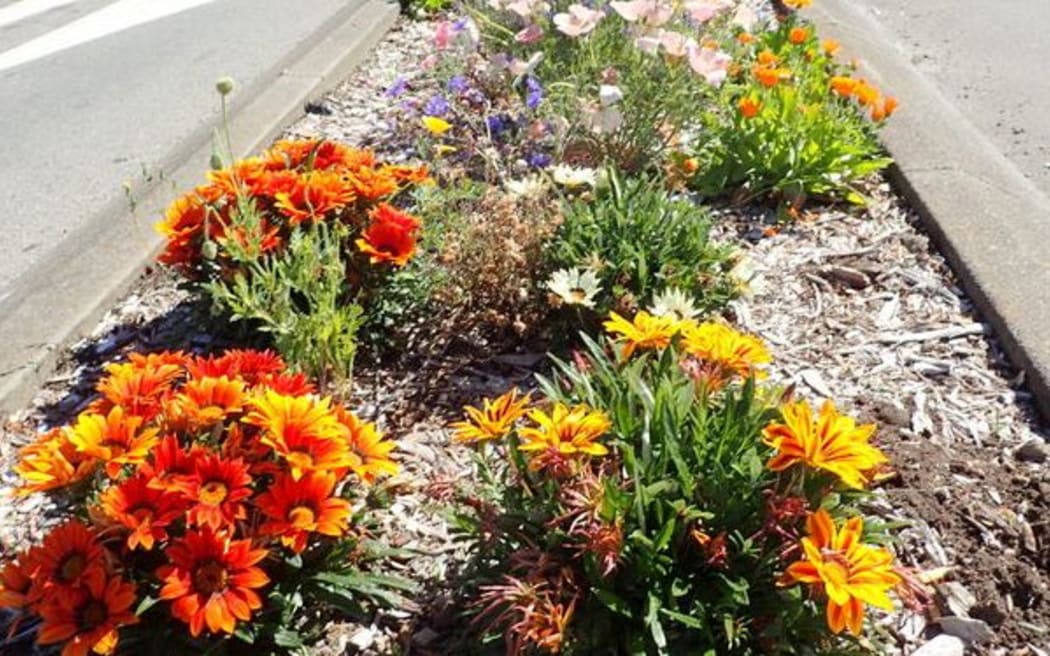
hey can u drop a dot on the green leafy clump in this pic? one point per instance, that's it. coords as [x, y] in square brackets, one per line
[783, 126]
[639, 241]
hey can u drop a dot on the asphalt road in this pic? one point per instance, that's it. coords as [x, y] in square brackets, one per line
[96, 93]
[988, 58]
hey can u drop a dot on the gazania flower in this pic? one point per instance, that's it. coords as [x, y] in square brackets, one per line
[182, 226]
[169, 465]
[769, 76]
[574, 287]
[147, 511]
[849, 572]
[493, 420]
[843, 86]
[302, 431]
[52, 462]
[216, 491]
[644, 332]
[87, 619]
[289, 384]
[866, 94]
[369, 452]
[798, 4]
[115, 439]
[247, 365]
[387, 213]
[833, 443]
[295, 509]
[204, 402]
[69, 557]
[315, 194]
[830, 47]
[564, 432]
[138, 386]
[407, 174]
[726, 351]
[884, 108]
[373, 184]
[389, 238]
[749, 107]
[212, 581]
[16, 578]
[674, 303]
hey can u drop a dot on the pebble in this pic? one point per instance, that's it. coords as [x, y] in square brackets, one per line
[957, 597]
[1034, 450]
[942, 645]
[968, 629]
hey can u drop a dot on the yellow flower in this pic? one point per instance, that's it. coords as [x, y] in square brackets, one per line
[798, 4]
[436, 126]
[493, 420]
[833, 443]
[728, 352]
[645, 332]
[566, 432]
[850, 572]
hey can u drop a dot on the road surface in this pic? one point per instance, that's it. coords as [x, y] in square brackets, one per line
[988, 58]
[96, 93]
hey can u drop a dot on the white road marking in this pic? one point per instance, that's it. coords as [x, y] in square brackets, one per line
[26, 8]
[116, 17]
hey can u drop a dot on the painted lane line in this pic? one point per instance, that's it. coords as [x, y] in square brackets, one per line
[119, 16]
[28, 8]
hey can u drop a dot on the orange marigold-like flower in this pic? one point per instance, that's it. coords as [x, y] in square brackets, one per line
[843, 86]
[369, 452]
[138, 386]
[52, 462]
[295, 509]
[204, 402]
[88, 618]
[315, 194]
[182, 226]
[371, 184]
[833, 443]
[115, 439]
[644, 332]
[564, 432]
[830, 47]
[798, 4]
[245, 364]
[289, 384]
[302, 431]
[407, 174]
[390, 237]
[770, 76]
[767, 58]
[146, 510]
[211, 581]
[749, 107]
[493, 420]
[70, 556]
[16, 579]
[726, 351]
[849, 572]
[798, 35]
[884, 108]
[170, 464]
[866, 94]
[216, 490]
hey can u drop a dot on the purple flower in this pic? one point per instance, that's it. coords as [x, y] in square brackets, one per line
[436, 106]
[538, 160]
[533, 92]
[498, 124]
[460, 25]
[458, 84]
[399, 86]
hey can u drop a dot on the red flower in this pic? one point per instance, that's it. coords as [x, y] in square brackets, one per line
[217, 488]
[250, 366]
[390, 237]
[294, 509]
[211, 581]
[87, 619]
[69, 557]
[145, 510]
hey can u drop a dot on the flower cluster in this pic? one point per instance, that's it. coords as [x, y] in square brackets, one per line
[203, 471]
[251, 208]
[623, 498]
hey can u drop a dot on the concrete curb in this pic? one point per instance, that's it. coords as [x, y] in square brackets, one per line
[63, 297]
[990, 222]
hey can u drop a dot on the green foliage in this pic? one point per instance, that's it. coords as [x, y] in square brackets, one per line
[298, 297]
[640, 241]
[803, 140]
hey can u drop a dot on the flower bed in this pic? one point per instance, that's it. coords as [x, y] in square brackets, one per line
[653, 493]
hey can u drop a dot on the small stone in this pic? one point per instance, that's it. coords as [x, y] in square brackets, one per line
[970, 630]
[1034, 450]
[942, 645]
[363, 638]
[957, 597]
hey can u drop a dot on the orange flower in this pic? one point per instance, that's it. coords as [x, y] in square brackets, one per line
[289, 384]
[729, 352]
[247, 365]
[798, 4]
[114, 439]
[564, 432]
[16, 579]
[866, 94]
[769, 76]
[749, 107]
[843, 86]
[52, 462]
[315, 194]
[138, 386]
[830, 47]
[833, 443]
[369, 452]
[798, 35]
[644, 332]
[88, 618]
[407, 174]
[493, 420]
[745, 38]
[849, 572]
[69, 557]
[182, 226]
[883, 109]
[145, 510]
[372, 185]
[295, 509]
[204, 402]
[238, 180]
[303, 432]
[170, 464]
[767, 58]
[217, 489]
[390, 237]
[211, 581]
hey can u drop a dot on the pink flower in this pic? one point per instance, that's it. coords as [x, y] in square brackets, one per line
[530, 34]
[709, 63]
[443, 35]
[652, 13]
[702, 11]
[578, 21]
[428, 62]
[526, 8]
[676, 44]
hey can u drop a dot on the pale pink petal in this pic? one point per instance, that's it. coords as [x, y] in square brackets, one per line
[710, 63]
[530, 34]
